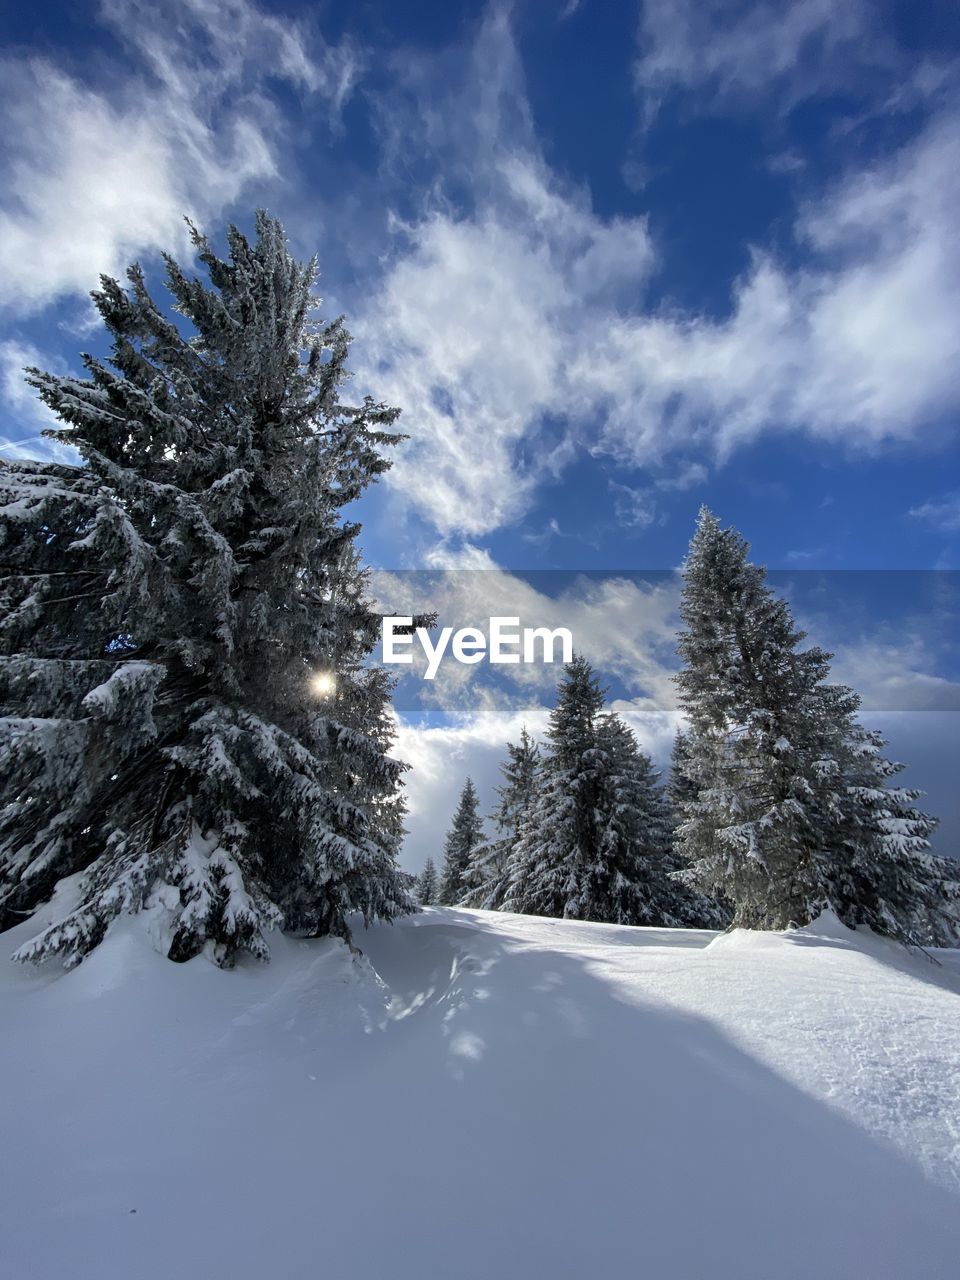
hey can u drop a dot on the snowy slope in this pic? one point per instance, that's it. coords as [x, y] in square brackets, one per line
[485, 1096]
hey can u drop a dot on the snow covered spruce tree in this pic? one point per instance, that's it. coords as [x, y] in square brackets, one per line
[487, 876]
[790, 809]
[188, 720]
[427, 884]
[595, 843]
[465, 834]
[630, 879]
[881, 872]
[558, 837]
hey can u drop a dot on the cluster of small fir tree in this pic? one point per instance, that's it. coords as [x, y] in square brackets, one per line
[596, 841]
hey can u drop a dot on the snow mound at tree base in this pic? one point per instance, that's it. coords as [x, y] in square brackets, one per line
[485, 1095]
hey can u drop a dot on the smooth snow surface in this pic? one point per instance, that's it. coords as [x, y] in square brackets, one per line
[485, 1096]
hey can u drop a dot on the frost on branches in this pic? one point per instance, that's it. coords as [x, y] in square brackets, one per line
[188, 719]
[786, 803]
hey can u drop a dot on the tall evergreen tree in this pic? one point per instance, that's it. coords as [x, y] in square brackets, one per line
[487, 876]
[790, 810]
[188, 718]
[632, 878]
[626, 881]
[558, 839]
[464, 836]
[427, 884]
[596, 842]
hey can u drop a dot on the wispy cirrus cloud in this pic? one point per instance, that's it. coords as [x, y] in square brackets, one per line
[98, 171]
[25, 407]
[735, 54]
[488, 288]
[943, 513]
[515, 325]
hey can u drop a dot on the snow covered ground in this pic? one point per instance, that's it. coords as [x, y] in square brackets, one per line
[485, 1096]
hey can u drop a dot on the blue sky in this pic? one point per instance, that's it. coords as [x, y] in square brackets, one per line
[613, 260]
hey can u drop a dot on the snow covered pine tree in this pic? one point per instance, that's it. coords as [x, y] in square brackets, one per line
[188, 720]
[487, 876]
[595, 844]
[558, 837]
[632, 880]
[788, 809]
[464, 835]
[427, 884]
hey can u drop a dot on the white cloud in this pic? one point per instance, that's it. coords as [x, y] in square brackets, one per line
[804, 557]
[625, 628]
[512, 326]
[21, 405]
[622, 625]
[473, 333]
[688, 477]
[654, 724]
[518, 331]
[734, 53]
[895, 676]
[634, 506]
[638, 507]
[99, 173]
[21, 399]
[550, 531]
[480, 314]
[902, 661]
[860, 347]
[943, 513]
[443, 756]
[247, 43]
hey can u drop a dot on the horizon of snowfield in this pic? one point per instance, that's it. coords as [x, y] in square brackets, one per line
[485, 1094]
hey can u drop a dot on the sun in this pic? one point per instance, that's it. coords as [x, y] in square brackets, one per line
[324, 684]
